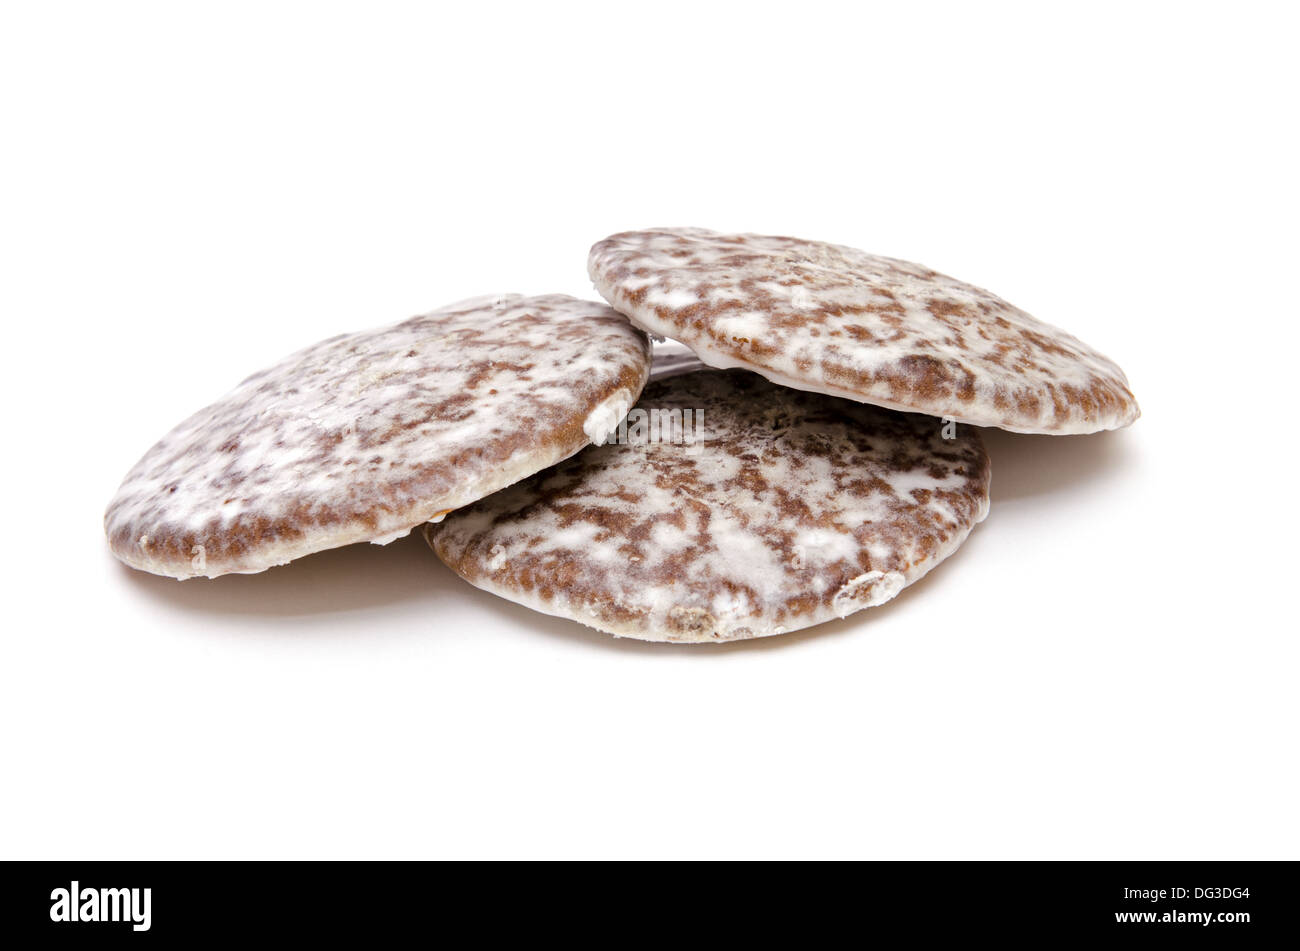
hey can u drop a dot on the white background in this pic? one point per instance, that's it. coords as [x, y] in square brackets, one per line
[1106, 670]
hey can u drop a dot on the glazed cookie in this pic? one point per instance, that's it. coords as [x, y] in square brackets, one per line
[364, 436]
[835, 320]
[757, 510]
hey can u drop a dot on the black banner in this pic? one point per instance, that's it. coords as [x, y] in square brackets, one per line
[1225, 902]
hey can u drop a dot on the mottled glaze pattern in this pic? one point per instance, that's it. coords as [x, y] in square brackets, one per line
[791, 509]
[364, 436]
[832, 319]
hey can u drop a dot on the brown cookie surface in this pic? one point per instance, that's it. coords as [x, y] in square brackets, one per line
[836, 320]
[364, 436]
[783, 509]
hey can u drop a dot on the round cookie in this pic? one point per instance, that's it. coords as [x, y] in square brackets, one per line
[785, 509]
[836, 320]
[364, 436]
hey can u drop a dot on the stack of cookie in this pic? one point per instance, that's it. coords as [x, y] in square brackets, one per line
[812, 449]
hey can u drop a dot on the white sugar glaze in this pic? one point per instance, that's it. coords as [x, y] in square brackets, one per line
[794, 509]
[364, 436]
[835, 320]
